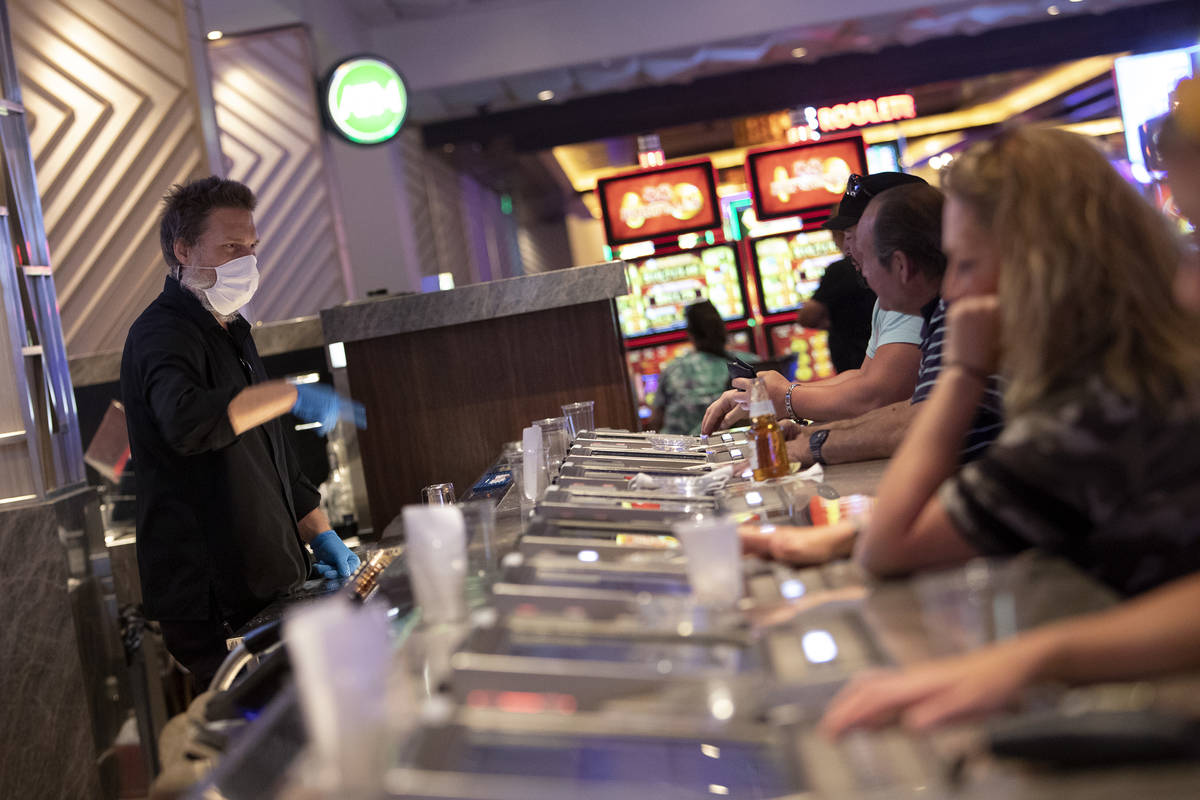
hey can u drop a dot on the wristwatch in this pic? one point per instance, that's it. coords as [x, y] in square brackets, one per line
[814, 444]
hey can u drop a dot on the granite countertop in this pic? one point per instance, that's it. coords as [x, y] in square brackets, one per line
[385, 316]
[271, 338]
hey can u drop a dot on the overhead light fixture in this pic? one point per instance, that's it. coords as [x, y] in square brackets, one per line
[1053, 11]
[214, 35]
[799, 52]
[545, 95]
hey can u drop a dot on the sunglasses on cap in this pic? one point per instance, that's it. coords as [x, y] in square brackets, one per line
[856, 185]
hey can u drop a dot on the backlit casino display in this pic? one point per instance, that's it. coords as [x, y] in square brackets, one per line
[660, 288]
[649, 204]
[790, 267]
[791, 180]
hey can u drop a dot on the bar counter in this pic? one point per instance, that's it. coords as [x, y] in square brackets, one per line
[908, 621]
[448, 377]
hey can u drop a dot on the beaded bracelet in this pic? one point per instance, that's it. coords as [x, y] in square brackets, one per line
[787, 403]
[974, 372]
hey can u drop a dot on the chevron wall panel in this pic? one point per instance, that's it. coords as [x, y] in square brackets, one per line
[272, 140]
[113, 122]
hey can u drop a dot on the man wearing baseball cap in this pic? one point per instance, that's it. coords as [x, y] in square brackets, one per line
[842, 305]
[889, 371]
[859, 191]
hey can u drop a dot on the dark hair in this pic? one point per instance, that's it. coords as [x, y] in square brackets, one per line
[705, 326]
[186, 208]
[908, 219]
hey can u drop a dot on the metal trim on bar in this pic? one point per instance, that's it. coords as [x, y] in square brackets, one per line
[15, 317]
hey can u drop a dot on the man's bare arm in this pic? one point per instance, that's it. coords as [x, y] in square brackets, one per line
[260, 403]
[875, 434]
[314, 524]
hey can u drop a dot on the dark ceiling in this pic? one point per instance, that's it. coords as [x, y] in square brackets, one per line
[508, 151]
[895, 69]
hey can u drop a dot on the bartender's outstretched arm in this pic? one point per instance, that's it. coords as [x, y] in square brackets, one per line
[311, 402]
[260, 403]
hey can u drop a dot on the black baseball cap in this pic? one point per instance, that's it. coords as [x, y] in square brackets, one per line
[859, 191]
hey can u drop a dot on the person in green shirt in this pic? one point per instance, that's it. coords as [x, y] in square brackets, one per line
[691, 382]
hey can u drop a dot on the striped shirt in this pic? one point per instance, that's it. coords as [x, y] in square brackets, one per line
[989, 419]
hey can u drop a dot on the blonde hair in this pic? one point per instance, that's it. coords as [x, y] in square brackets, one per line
[1086, 271]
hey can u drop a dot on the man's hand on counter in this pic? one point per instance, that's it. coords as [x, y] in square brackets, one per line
[333, 559]
[724, 412]
[799, 545]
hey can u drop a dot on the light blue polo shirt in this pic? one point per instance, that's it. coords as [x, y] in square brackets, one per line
[893, 327]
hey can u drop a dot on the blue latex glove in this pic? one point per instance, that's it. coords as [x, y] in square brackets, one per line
[316, 402]
[334, 559]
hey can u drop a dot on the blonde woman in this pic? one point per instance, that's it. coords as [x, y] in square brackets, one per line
[1100, 462]
[1060, 276]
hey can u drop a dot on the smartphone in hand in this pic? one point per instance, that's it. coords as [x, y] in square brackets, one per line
[738, 368]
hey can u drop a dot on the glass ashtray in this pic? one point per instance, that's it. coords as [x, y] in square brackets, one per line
[670, 442]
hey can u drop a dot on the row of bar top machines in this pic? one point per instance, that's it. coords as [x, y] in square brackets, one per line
[643, 687]
[593, 666]
[757, 255]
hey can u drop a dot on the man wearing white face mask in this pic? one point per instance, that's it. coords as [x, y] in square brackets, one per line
[223, 511]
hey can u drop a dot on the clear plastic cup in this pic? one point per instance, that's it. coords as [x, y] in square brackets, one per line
[438, 494]
[479, 518]
[533, 466]
[554, 443]
[580, 417]
[340, 654]
[714, 560]
[436, 554]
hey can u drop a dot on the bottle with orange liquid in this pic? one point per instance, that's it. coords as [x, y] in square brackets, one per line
[768, 451]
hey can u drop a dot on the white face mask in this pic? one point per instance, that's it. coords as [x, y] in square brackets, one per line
[237, 281]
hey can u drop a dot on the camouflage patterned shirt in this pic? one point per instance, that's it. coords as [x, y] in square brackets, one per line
[1094, 479]
[688, 385]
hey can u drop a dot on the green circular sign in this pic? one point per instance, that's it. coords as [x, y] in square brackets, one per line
[366, 100]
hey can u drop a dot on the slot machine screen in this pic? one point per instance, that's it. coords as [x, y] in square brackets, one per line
[813, 360]
[790, 267]
[661, 287]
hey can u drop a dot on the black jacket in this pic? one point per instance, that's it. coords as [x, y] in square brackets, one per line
[216, 512]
